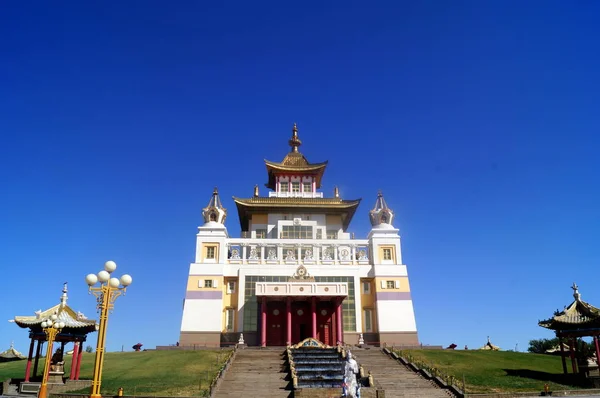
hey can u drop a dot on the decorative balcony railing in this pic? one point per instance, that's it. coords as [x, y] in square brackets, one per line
[288, 251]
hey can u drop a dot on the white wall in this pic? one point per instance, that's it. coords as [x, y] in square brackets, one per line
[202, 315]
[396, 316]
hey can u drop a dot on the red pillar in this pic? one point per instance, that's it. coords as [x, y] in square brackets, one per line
[313, 312]
[79, 358]
[263, 316]
[562, 355]
[339, 322]
[597, 351]
[29, 357]
[74, 360]
[572, 352]
[37, 358]
[334, 328]
[288, 309]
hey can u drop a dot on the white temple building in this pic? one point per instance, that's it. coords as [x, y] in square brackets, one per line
[296, 271]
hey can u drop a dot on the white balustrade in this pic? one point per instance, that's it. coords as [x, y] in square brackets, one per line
[294, 251]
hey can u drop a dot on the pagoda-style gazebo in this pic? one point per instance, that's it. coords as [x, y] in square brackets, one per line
[578, 319]
[77, 326]
[11, 354]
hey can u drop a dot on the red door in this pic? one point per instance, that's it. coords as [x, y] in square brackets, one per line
[301, 318]
[276, 323]
[324, 322]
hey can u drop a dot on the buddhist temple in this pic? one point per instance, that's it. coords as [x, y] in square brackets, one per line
[76, 329]
[296, 271]
[578, 319]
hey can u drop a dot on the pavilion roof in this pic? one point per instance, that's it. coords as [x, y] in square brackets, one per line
[248, 206]
[11, 354]
[577, 315]
[72, 319]
[294, 163]
[489, 346]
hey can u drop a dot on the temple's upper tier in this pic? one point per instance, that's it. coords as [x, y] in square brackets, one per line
[294, 176]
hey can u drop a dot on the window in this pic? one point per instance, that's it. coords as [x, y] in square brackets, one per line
[307, 187]
[387, 254]
[295, 187]
[319, 233]
[389, 284]
[261, 233]
[368, 321]
[332, 234]
[208, 283]
[284, 186]
[296, 232]
[230, 320]
[210, 252]
[231, 287]
[366, 287]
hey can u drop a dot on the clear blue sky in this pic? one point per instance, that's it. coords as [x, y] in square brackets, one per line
[478, 120]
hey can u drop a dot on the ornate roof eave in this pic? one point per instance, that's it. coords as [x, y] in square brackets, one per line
[274, 168]
[65, 313]
[346, 208]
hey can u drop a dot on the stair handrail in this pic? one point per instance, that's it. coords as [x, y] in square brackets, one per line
[447, 378]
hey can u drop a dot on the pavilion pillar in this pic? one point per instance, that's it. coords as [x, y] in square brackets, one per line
[74, 360]
[334, 327]
[288, 311]
[37, 358]
[313, 312]
[79, 358]
[263, 322]
[339, 321]
[562, 355]
[597, 352]
[29, 357]
[572, 354]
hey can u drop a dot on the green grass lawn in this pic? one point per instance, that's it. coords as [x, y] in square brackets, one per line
[499, 371]
[166, 373]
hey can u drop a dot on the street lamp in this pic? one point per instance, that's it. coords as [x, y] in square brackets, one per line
[106, 294]
[51, 327]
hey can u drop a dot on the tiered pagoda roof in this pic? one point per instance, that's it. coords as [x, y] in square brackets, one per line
[294, 162]
[576, 316]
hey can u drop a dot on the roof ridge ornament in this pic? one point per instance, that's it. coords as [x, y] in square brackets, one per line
[64, 297]
[576, 294]
[294, 142]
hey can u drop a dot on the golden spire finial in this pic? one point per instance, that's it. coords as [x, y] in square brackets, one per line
[336, 192]
[256, 191]
[295, 142]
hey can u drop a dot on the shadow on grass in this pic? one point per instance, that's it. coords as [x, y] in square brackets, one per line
[574, 380]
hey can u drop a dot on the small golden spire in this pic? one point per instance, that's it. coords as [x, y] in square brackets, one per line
[336, 192]
[295, 142]
[256, 191]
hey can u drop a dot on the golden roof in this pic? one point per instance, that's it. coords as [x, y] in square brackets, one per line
[578, 314]
[72, 319]
[248, 206]
[294, 162]
[65, 314]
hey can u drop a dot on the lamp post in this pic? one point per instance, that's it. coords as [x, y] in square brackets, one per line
[51, 327]
[106, 294]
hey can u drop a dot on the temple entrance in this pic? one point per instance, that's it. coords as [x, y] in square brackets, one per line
[294, 319]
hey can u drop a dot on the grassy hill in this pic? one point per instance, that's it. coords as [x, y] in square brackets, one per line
[499, 371]
[167, 373]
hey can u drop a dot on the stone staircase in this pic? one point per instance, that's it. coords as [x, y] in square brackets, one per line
[396, 379]
[256, 373]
